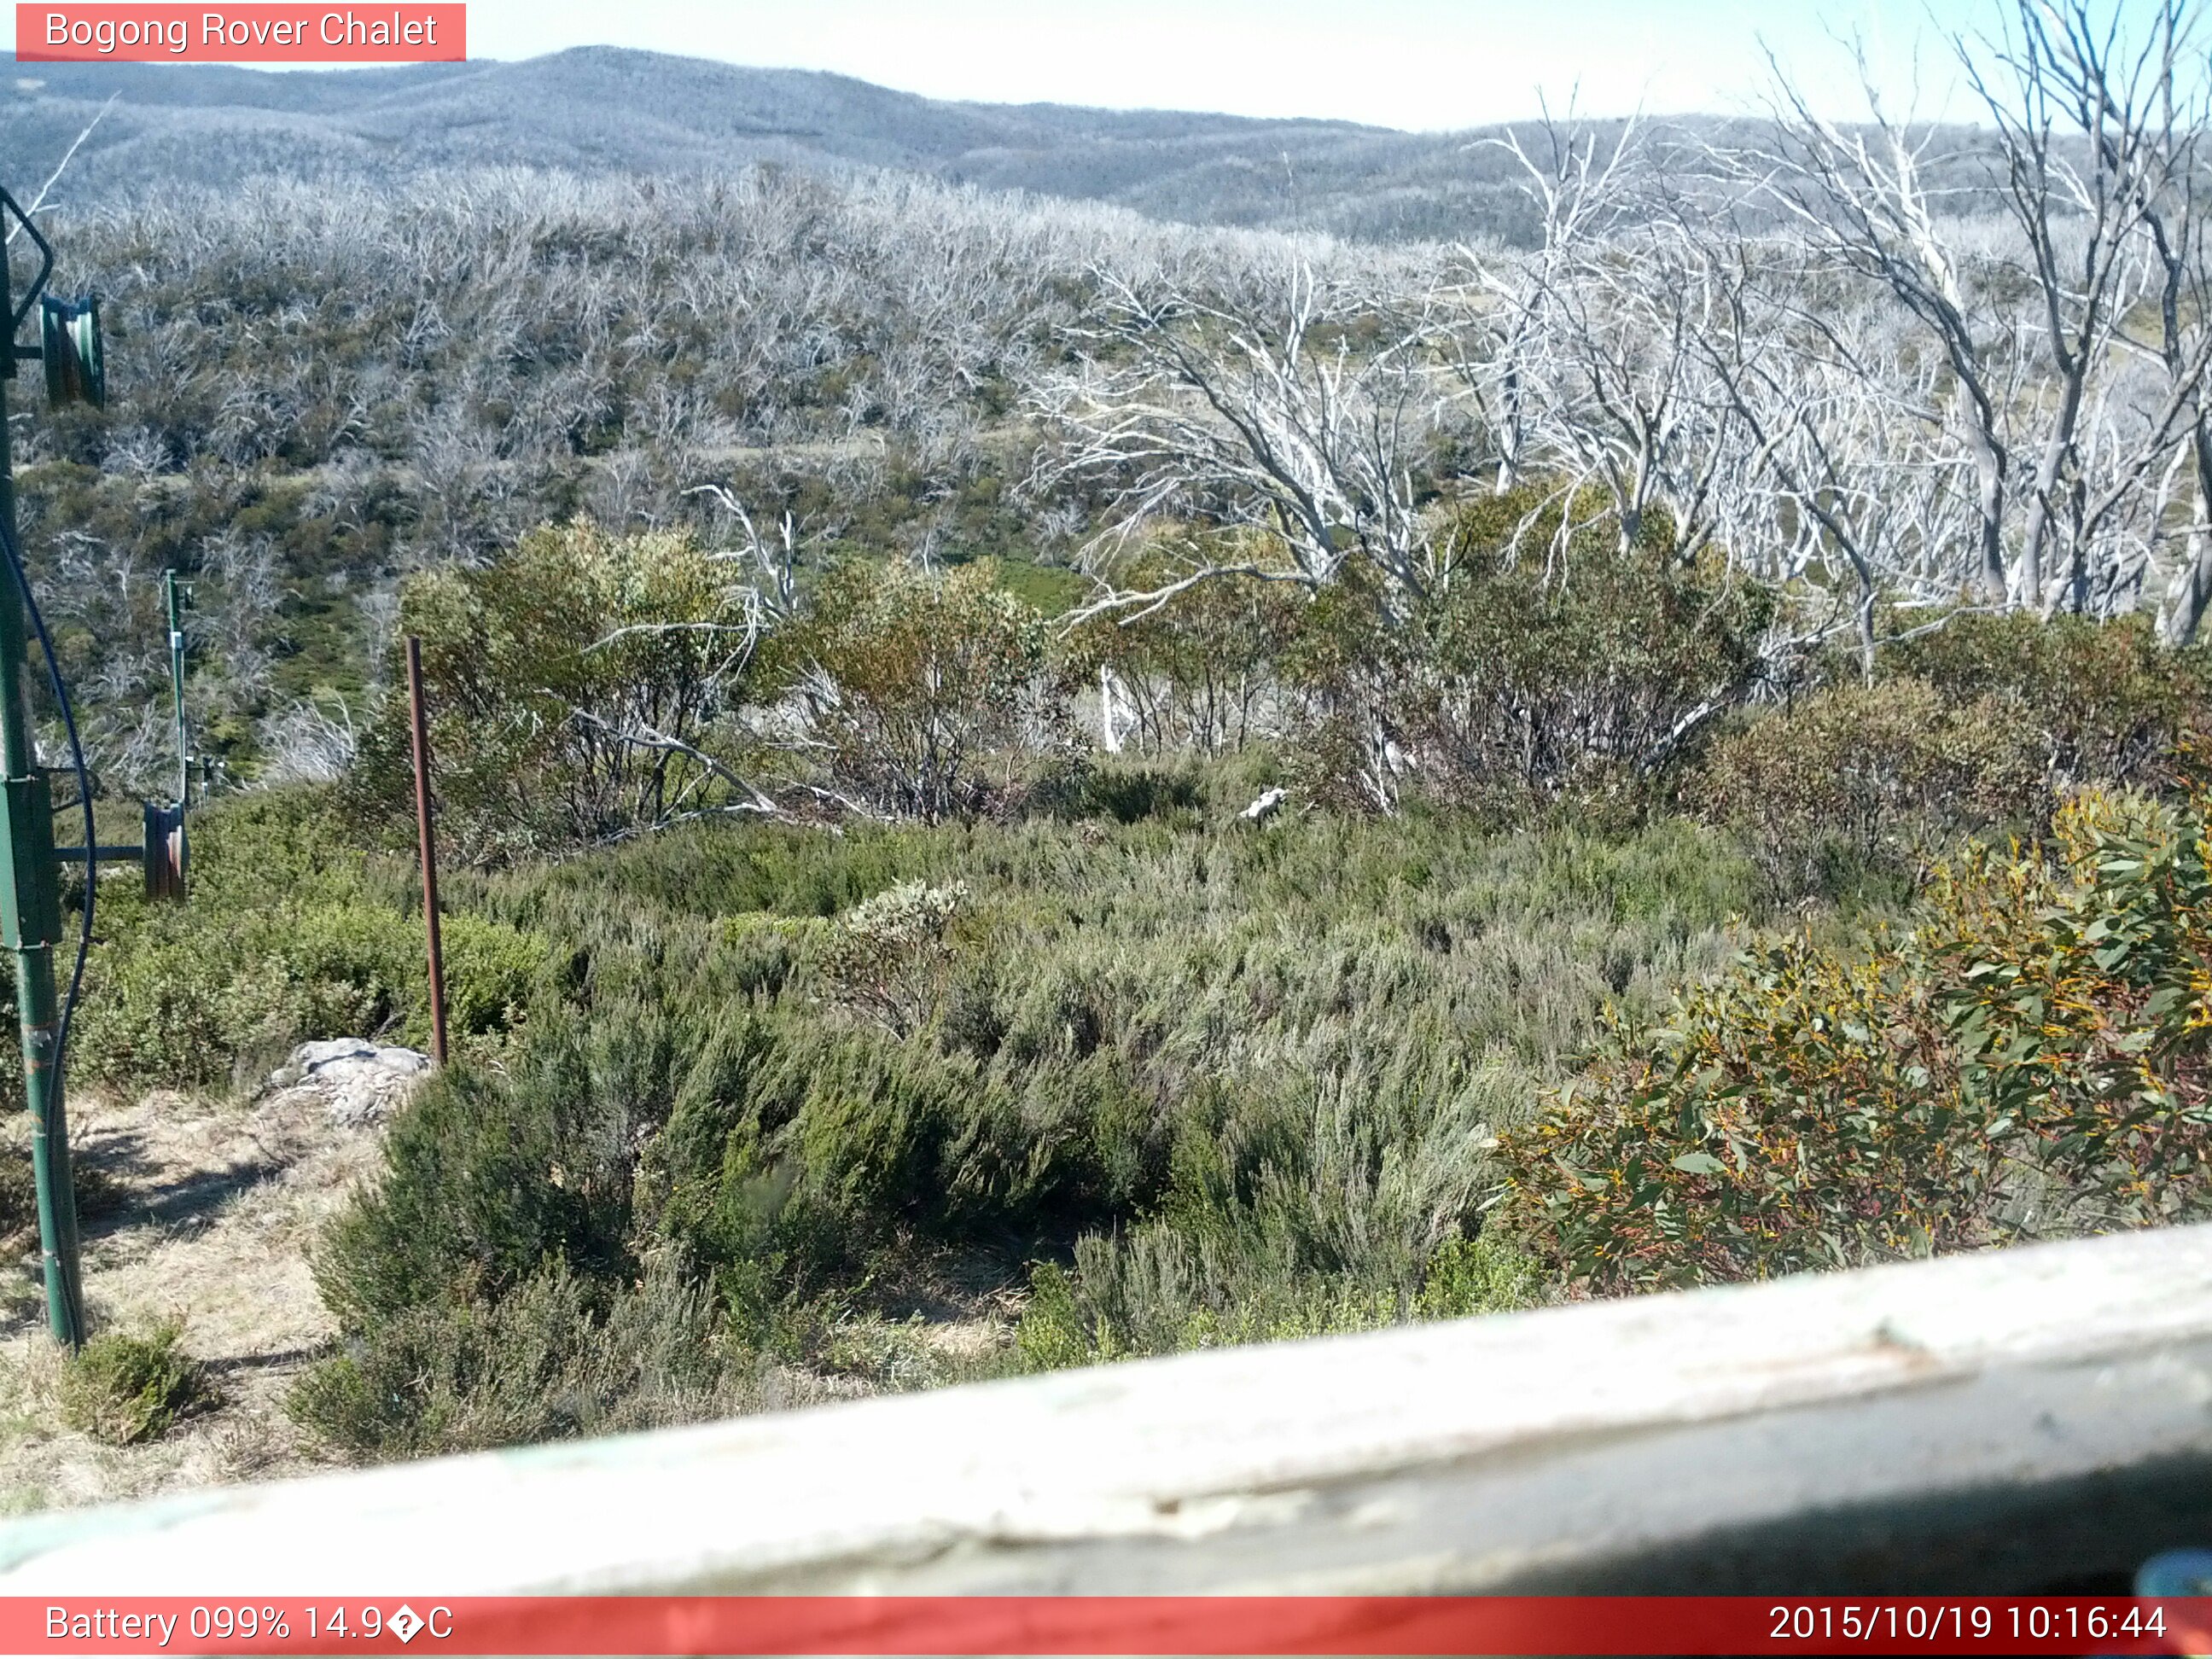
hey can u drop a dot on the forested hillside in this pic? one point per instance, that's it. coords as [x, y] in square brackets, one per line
[1025, 784]
[603, 111]
[325, 389]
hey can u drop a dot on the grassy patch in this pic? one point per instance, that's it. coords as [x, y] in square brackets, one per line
[291, 933]
[124, 1389]
[1203, 1081]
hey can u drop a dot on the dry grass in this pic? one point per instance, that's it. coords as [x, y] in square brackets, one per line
[217, 1203]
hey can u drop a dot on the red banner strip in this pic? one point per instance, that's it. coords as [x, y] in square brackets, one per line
[1087, 1625]
[260, 34]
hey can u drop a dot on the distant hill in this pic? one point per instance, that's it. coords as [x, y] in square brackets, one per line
[601, 109]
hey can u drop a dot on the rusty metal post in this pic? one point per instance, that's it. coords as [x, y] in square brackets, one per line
[429, 849]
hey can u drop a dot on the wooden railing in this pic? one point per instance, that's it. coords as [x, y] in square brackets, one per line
[2032, 1419]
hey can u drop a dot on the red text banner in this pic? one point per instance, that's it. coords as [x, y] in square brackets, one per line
[260, 34]
[1079, 1625]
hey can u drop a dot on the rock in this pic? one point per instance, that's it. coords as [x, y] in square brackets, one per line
[1268, 802]
[360, 1080]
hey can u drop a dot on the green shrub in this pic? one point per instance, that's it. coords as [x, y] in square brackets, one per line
[492, 972]
[487, 1179]
[1145, 1298]
[1054, 1332]
[1479, 1275]
[289, 934]
[2108, 702]
[1162, 1291]
[1548, 663]
[1241, 1083]
[924, 696]
[793, 1149]
[1290, 1214]
[125, 1389]
[1855, 778]
[555, 1359]
[1131, 793]
[2031, 1057]
[765, 950]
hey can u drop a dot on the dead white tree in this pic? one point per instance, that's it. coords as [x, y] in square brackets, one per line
[2090, 163]
[1303, 403]
[1593, 361]
[2076, 107]
[2170, 116]
[1862, 200]
[305, 741]
[1577, 186]
[39, 202]
[1846, 494]
[1630, 405]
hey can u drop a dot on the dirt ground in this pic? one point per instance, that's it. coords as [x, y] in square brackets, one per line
[203, 1209]
[210, 1207]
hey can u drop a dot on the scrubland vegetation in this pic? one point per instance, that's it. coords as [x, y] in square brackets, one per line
[767, 1110]
[1025, 789]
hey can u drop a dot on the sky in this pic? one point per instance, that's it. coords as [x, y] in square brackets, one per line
[1422, 64]
[1414, 63]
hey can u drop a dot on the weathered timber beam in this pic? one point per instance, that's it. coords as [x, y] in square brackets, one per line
[2020, 1420]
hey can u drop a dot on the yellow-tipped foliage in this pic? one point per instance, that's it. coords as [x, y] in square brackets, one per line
[2030, 1057]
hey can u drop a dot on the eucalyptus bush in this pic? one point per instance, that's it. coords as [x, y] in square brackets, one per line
[1854, 778]
[921, 696]
[2030, 1056]
[582, 687]
[2101, 702]
[1545, 662]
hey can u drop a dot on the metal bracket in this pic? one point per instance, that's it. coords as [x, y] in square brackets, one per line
[46, 263]
[107, 851]
[30, 908]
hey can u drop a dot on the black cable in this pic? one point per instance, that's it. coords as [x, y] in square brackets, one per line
[83, 784]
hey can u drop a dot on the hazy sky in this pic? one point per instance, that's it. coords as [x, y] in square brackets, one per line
[1423, 64]
[1420, 64]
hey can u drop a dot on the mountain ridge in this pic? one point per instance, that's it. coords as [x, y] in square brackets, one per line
[599, 109]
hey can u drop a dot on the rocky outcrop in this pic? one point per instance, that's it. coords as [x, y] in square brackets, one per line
[360, 1082]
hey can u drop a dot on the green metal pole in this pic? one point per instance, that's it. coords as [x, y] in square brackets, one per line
[177, 683]
[30, 922]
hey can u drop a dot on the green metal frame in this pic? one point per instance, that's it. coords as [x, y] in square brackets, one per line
[30, 872]
[30, 895]
[30, 884]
